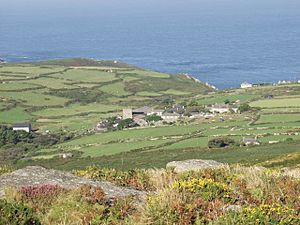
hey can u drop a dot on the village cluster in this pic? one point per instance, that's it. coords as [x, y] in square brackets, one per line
[142, 116]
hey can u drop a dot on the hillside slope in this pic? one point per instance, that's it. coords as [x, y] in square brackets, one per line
[59, 94]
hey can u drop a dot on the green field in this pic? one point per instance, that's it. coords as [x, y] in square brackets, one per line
[277, 103]
[73, 95]
[86, 76]
[15, 115]
[76, 109]
[17, 86]
[35, 98]
[117, 89]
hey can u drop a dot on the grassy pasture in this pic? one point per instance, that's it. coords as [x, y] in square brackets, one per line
[86, 76]
[72, 123]
[116, 148]
[260, 155]
[279, 118]
[52, 83]
[280, 110]
[17, 86]
[175, 92]
[198, 142]
[76, 109]
[117, 89]
[148, 94]
[145, 73]
[14, 115]
[277, 103]
[11, 77]
[29, 71]
[134, 135]
[220, 98]
[35, 98]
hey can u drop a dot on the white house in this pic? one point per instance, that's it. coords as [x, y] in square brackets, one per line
[22, 126]
[251, 141]
[246, 85]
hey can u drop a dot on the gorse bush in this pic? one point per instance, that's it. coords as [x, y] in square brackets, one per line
[207, 188]
[5, 169]
[230, 195]
[263, 214]
[138, 179]
[16, 214]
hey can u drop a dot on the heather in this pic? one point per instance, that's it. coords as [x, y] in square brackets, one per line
[229, 195]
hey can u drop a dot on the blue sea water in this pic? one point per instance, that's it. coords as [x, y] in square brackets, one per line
[223, 42]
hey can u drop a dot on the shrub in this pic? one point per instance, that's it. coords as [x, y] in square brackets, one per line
[40, 197]
[16, 214]
[263, 214]
[138, 179]
[153, 118]
[72, 208]
[207, 188]
[220, 142]
[92, 194]
[127, 123]
[5, 169]
[244, 108]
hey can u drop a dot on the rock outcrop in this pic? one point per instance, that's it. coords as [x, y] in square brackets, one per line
[193, 165]
[36, 175]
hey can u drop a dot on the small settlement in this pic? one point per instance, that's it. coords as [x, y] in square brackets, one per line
[143, 116]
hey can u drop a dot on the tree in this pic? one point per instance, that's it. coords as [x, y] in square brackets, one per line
[127, 123]
[220, 142]
[153, 118]
[227, 101]
[244, 108]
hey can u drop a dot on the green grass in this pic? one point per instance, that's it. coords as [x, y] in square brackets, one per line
[35, 98]
[117, 89]
[278, 118]
[145, 73]
[159, 158]
[17, 86]
[220, 98]
[112, 149]
[28, 71]
[76, 109]
[199, 142]
[15, 115]
[277, 103]
[86, 76]
[175, 92]
[52, 83]
[77, 124]
[148, 94]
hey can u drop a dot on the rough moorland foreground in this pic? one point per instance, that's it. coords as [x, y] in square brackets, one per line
[227, 195]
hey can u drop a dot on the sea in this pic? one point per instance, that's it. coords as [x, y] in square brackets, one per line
[222, 42]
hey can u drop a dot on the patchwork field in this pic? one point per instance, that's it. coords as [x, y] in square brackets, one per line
[72, 96]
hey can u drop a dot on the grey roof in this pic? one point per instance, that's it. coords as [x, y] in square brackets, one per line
[145, 109]
[171, 114]
[20, 125]
[250, 140]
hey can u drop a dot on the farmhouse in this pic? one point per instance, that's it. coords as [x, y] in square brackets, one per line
[224, 108]
[22, 126]
[178, 109]
[246, 85]
[140, 120]
[65, 155]
[251, 141]
[144, 111]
